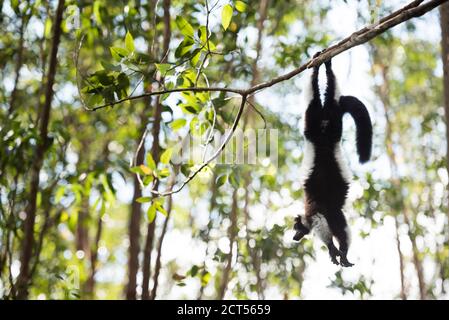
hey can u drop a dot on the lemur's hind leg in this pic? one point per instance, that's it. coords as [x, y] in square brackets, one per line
[321, 226]
[333, 251]
[341, 232]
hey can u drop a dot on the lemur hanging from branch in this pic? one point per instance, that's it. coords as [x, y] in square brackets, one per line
[326, 178]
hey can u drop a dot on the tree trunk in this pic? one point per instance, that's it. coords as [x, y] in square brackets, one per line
[134, 224]
[254, 253]
[90, 284]
[82, 233]
[444, 20]
[212, 205]
[28, 239]
[18, 67]
[444, 17]
[384, 93]
[155, 151]
[157, 267]
[93, 248]
[403, 293]
[232, 232]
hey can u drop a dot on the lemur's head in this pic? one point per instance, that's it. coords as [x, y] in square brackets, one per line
[301, 227]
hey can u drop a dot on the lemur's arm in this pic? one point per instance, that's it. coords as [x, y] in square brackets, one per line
[315, 87]
[364, 128]
[311, 127]
[331, 83]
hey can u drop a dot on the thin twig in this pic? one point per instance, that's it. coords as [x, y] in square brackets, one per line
[211, 158]
[134, 163]
[258, 112]
[161, 92]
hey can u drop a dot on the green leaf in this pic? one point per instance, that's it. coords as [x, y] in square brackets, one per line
[166, 156]
[151, 213]
[189, 109]
[129, 42]
[226, 16]
[104, 78]
[205, 279]
[221, 180]
[123, 81]
[185, 27]
[143, 199]
[178, 124]
[202, 34]
[160, 208]
[109, 66]
[234, 179]
[147, 180]
[184, 48]
[163, 67]
[194, 270]
[118, 53]
[150, 161]
[194, 124]
[212, 46]
[240, 6]
[15, 5]
[97, 13]
[136, 170]
[47, 29]
[163, 173]
[196, 54]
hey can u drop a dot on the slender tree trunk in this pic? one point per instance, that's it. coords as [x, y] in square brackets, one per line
[155, 151]
[384, 96]
[444, 20]
[254, 253]
[416, 259]
[93, 248]
[134, 224]
[28, 241]
[90, 284]
[232, 232]
[18, 67]
[82, 234]
[81, 239]
[212, 205]
[157, 267]
[403, 293]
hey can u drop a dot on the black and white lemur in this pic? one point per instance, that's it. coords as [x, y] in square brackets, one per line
[325, 177]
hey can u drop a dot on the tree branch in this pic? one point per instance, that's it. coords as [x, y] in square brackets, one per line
[412, 10]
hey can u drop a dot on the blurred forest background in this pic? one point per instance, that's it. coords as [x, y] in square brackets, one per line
[74, 220]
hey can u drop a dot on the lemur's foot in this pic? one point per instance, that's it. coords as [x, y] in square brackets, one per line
[334, 260]
[300, 228]
[344, 262]
[334, 253]
[316, 54]
[298, 235]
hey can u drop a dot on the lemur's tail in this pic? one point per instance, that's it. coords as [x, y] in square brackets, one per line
[364, 128]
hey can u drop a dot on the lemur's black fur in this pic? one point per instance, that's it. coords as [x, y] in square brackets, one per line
[326, 186]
